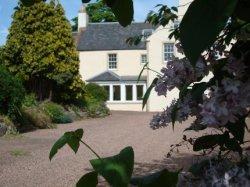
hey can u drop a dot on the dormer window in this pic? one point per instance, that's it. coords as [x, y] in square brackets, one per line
[146, 33]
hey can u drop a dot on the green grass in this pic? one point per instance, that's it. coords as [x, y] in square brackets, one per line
[13, 136]
[18, 152]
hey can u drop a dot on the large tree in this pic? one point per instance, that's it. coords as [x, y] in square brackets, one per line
[98, 12]
[41, 51]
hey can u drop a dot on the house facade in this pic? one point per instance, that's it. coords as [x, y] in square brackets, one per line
[106, 59]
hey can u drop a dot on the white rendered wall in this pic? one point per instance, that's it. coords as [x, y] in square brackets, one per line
[93, 63]
[155, 48]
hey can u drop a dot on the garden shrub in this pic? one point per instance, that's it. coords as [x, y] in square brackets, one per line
[11, 93]
[11, 128]
[97, 92]
[75, 112]
[30, 100]
[96, 108]
[37, 117]
[56, 112]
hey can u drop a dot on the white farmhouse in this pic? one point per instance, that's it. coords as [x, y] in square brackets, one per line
[106, 59]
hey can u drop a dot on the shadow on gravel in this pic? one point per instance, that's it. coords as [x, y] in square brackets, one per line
[174, 163]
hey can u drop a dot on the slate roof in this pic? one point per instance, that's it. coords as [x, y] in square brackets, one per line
[113, 77]
[110, 36]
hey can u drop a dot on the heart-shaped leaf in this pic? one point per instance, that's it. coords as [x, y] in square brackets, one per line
[204, 19]
[117, 170]
[88, 180]
[28, 2]
[86, 1]
[71, 138]
[123, 10]
[163, 178]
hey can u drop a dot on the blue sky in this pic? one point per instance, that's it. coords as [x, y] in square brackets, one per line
[142, 7]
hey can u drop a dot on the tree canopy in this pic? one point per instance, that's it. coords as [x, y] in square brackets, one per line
[98, 12]
[41, 51]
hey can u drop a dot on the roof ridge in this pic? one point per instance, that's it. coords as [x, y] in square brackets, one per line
[103, 23]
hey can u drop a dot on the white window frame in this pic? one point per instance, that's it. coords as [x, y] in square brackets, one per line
[142, 59]
[168, 52]
[123, 91]
[112, 60]
[126, 93]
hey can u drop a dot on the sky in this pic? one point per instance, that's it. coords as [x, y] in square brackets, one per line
[142, 7]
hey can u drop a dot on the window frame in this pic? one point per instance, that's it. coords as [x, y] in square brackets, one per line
[109, 61]
[123, 96]
[166, 52]
[144, 59]
[143, 92]
[120, 86]
[132, 93]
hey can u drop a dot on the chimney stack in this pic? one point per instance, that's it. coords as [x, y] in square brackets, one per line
[83, 18]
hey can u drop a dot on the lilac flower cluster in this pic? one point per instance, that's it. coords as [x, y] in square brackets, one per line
[184, 110]
[223, 104]
[224, 101]
[178, 73]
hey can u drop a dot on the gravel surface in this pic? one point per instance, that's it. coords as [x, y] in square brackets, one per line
[24, 160]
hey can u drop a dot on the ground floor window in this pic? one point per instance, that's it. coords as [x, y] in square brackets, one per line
[116, 93]
[139, 92]
[129, 92]
[125, 92]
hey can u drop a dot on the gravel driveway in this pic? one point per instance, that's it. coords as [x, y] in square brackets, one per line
[24, 160]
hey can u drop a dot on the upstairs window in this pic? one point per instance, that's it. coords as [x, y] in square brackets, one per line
[144, 59]
[168, 52]
[112, 61]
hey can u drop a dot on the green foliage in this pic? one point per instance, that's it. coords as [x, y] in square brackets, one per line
[56, 112]
[19, 152]
[88, 180]
[30, 101]
[100, 12]
[71, 138]
[95, 99]
[147, 94]
[41, 51]
[215, 15]
[163, 16]
[96, 92]
[11, 93]
[74, 25]
[11, 128]
[96, 108]
[36, 117]
[122, 9]
[117, 170]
